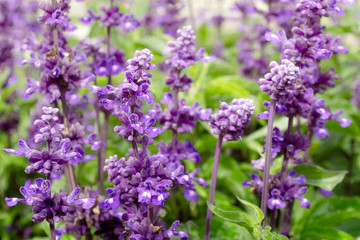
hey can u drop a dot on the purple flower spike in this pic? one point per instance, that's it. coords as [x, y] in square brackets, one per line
[282, 81]
[46, 207]
[232, 120]
[182, 52]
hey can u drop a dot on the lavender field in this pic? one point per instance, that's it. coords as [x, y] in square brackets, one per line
[180, 119]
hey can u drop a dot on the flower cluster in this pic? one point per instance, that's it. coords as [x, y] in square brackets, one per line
[282, 81]
[166, 14]
[46, 206]
[17, 19]
[112, 17]
[79, 220]
[281, 191]
[142, 182]
[125, 100]
[58, 151]
[292, 87]
[182, 53]
[56, 15]
[309, 45]
[60, 71]
[230, 121]
[178, 116]
[253, 54]
[183, 119]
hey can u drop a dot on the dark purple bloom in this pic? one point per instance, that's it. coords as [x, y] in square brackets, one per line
[282, 81]
[280, 192]
[183, 119]
[183, 53]
[275, 201]
[46, 206]
[232, 120]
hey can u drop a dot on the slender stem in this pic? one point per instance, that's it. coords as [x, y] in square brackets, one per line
[69, 170]
[273, 218]
[133, 142]
[100, 175]
[55, 32]
[286, 225]
[309, 136]
[213, 185]
[104, 135]
[136, 150]
[88, 235]
[298, 126]
[102, 153]
[265, 190]
[155, 211]
[56, 40]
[176, 107]
[351, 158]
[275, 213]
[52, 230]
[108, 48]
[286, 157]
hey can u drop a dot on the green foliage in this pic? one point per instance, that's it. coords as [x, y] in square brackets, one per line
[320, 177]
[250, 219]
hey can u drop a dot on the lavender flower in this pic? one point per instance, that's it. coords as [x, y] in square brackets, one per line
[181, 120]
[281, 83]
[112, 17]
[166, 14]
[17, 19]
[231, 121]
[80, 221]
[57, 152]
[46, 206]
[182, 53]
[281, 191]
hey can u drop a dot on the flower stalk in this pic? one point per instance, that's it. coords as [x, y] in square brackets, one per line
[266, 173]
[69, 169]
[105, 130]
[286, 157]
[52, 230]
[213, 185]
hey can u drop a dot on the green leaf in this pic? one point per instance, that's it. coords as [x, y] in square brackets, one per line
[46, 228]
[256, 215]
[268, 235]
[337, 218]
[228, 86]
[322, 232]
[238, 217]
[320, 177]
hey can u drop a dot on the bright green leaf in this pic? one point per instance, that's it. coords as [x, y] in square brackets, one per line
[254, 211]
[320, 177]
[232, 216]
